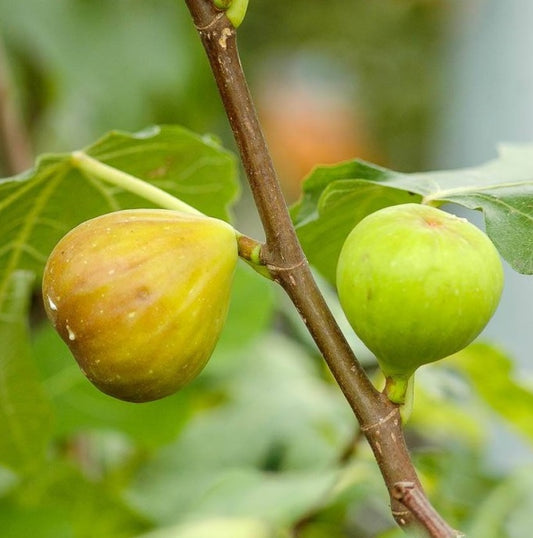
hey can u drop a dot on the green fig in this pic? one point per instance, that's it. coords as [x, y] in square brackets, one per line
[140, 298]
[417, 284]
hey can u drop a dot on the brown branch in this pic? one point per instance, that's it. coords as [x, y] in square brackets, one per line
[282, 254]
[14, 140]
[413, 499]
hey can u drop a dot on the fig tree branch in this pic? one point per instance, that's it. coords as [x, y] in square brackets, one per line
[283, 256]
[412, 498]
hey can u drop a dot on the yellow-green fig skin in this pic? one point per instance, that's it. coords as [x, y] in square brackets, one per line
[417, 284]
[140, 297]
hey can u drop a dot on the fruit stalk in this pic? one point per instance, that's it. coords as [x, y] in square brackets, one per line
[282, 254]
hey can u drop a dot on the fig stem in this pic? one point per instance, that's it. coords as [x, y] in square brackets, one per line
[396, 388]
[235, 10]
[104, 172]
[250, 252]
[406, 409]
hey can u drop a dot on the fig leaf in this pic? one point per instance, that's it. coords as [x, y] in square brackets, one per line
[336, 197]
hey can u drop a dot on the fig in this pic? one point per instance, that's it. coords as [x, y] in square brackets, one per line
[417, 284]
[140, 297]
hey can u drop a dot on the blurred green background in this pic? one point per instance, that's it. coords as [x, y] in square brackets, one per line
[262, 444]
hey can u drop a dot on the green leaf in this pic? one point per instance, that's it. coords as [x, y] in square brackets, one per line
[503, 190]
[278, 498]
[315, 184]
[269, 449]
[506, 510]
[193, 168]
[38, 207]
[64, 500]
[336, 197]
[19, 522]
[25, 413]
[455, 477]
[490, 372]
[441, 412]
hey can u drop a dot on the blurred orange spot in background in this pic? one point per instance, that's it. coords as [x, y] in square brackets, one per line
[307, 124]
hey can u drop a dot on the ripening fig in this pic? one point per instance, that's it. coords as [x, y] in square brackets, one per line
[417, 284]
[140, 297]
